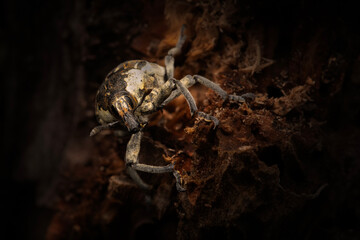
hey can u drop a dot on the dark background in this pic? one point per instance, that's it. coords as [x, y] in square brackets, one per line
[55, 54]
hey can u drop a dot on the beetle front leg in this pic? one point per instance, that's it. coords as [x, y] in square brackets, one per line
[153, 100]
[169, 59]
[133, 165]
[187, 81]
[192, 105]
[131, 158]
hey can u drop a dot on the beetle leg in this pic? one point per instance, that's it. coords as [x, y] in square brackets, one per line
[209, 118]
[133, 165]
[154, 99]
[192, 105]
[187, 81]
[131, 158]
[189, 98]
[179, 44]
[169, 66]
[210, 84]
[179, 181]
[169, 59]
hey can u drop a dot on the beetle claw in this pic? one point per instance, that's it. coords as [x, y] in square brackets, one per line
[208, 118]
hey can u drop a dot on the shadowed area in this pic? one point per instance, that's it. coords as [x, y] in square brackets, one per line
[282, 166]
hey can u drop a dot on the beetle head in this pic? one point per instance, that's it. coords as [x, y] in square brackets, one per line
[123, 106]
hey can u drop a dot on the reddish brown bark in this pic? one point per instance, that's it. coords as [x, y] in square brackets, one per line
[285, 165]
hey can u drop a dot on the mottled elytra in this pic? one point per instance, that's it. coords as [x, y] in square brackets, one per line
[134, 90]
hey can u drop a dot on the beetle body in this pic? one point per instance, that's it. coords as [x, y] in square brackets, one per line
[124, 90]
[135, 89]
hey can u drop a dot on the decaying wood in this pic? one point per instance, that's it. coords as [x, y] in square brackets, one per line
[283, 166]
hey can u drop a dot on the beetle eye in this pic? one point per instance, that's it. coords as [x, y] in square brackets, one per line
[129, 101]
[114, 111]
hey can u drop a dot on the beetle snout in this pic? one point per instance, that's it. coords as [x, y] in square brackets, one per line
[131, 123]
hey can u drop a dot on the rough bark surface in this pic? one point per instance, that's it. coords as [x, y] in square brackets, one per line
[284, 166]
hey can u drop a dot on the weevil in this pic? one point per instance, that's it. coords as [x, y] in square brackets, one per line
[134, 90]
